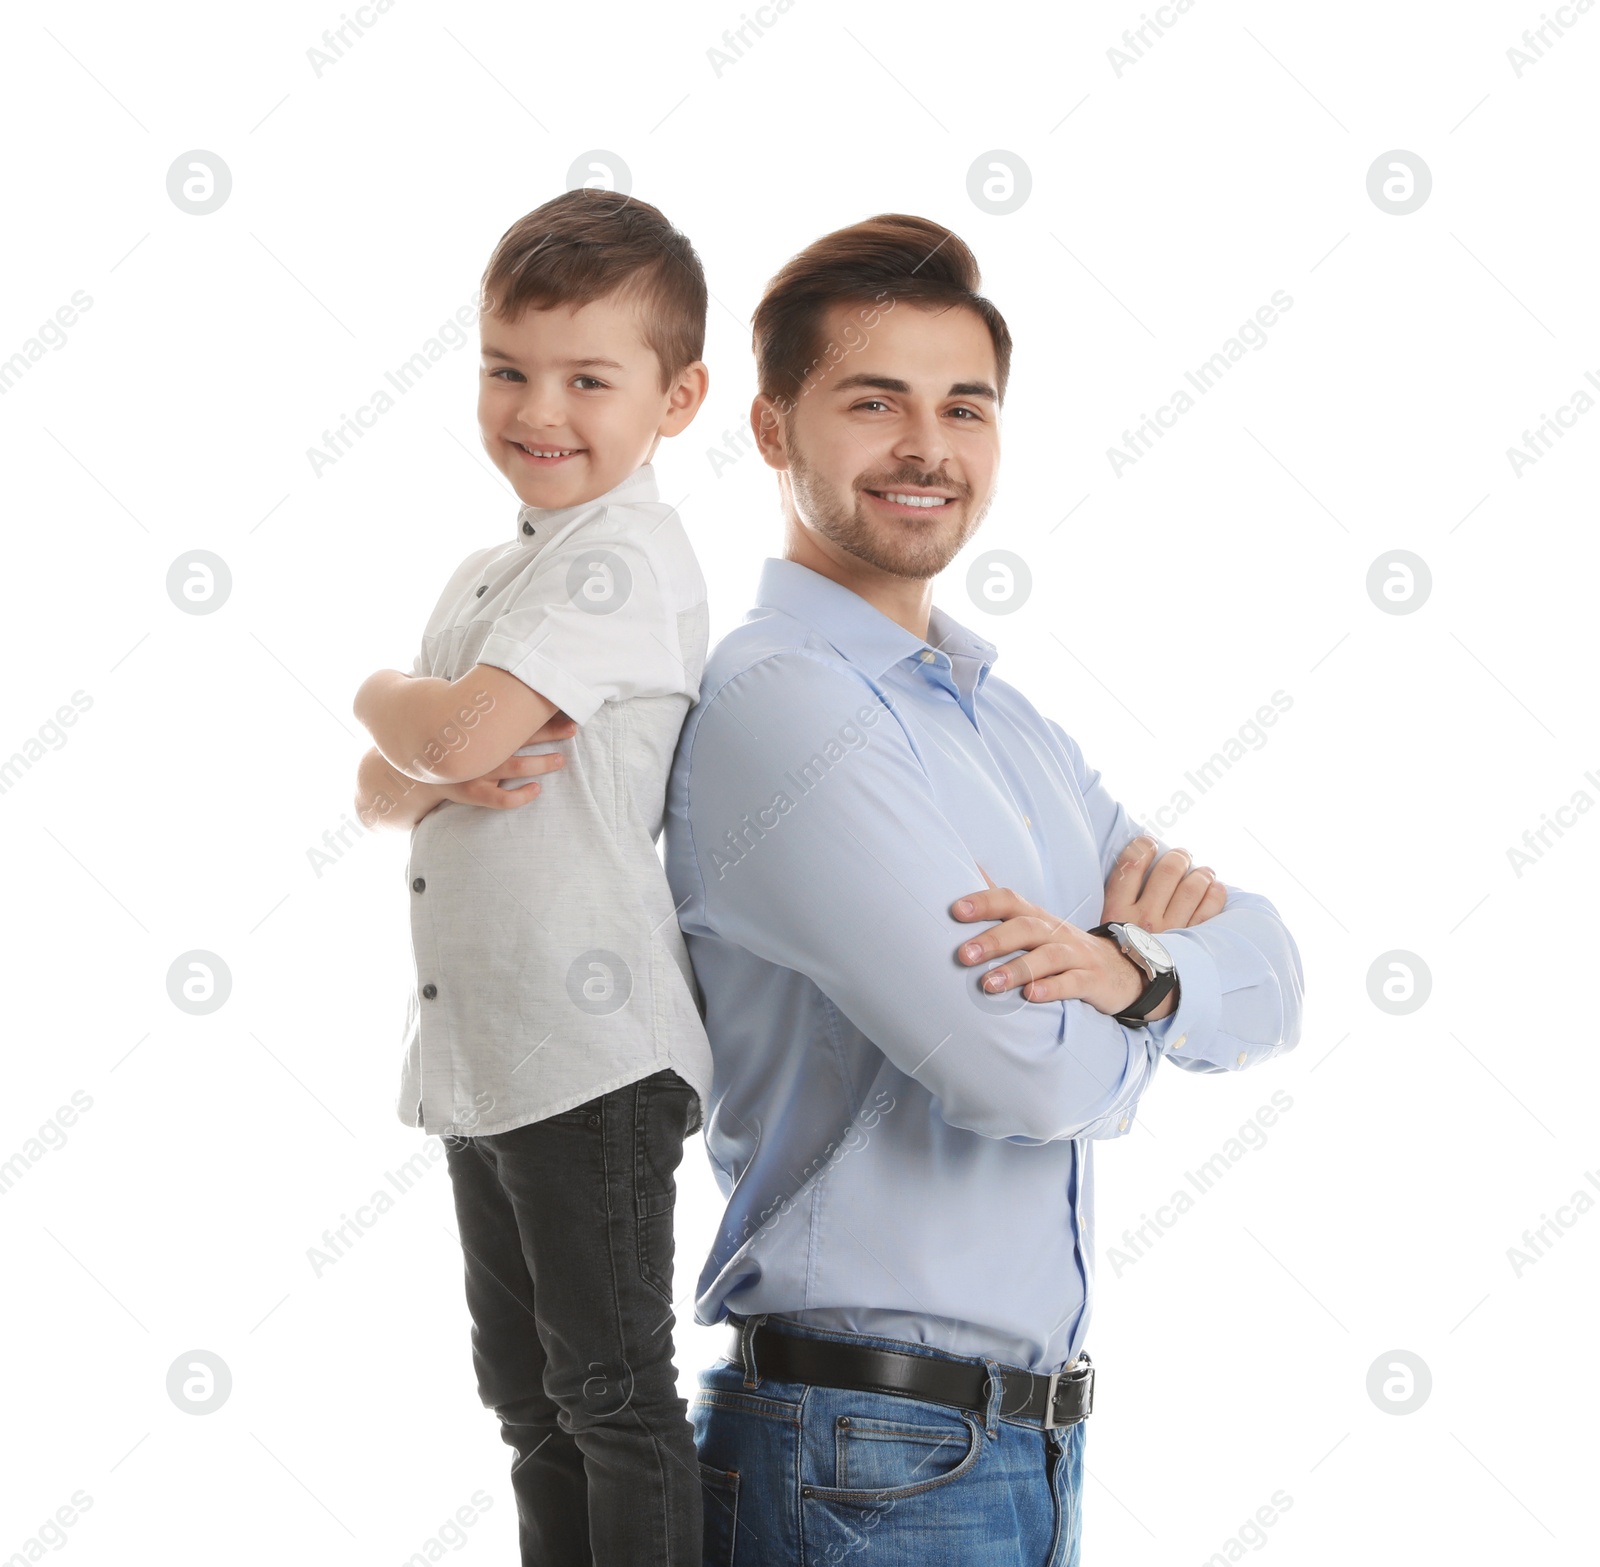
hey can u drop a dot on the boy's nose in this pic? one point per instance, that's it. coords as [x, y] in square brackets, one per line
[542, 408]
[539, 417]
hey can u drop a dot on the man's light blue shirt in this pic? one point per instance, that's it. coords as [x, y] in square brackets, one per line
[902, 1153]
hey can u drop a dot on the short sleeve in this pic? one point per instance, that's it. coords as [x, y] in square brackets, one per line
[590, 625]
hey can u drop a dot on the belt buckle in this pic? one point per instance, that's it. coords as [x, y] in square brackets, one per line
[1050, 1401]
[1077, 1368]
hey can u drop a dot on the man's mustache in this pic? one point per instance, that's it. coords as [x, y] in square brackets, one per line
[915, 481]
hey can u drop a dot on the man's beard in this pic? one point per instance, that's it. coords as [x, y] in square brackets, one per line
[916, 550]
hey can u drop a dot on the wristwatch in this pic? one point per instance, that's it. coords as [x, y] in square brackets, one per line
[1152, 959]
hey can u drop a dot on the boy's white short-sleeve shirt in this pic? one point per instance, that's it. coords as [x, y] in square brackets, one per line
[548, 963]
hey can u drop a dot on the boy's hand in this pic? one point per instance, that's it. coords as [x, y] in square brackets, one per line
[486, 791]
[390, 799]
[1173, 898]
[1058, 961]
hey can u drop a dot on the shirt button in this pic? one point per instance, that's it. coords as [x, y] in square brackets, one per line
[926, 655]
[429, 991]
[482, 590]
[1028, 819]
[527, 528]
[418, 885]
[1239, 1060]
[1122, 1125]
[1178, 1043]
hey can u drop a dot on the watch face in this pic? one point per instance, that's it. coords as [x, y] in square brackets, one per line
[1149, 946]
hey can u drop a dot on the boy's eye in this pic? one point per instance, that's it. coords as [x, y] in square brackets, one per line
[504, 370]
[589, 379]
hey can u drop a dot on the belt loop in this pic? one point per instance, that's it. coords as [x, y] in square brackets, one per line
[747, 1353]
[995, 1391]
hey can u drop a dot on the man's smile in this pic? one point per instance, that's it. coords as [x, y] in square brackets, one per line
[912, 501]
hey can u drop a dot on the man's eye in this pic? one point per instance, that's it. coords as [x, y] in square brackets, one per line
[964, 410]
[870, 402]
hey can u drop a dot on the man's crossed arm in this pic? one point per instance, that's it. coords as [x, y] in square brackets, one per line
[1059, 961]
[854, 883]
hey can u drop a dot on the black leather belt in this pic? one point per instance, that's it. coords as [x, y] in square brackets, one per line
[1060, 1399]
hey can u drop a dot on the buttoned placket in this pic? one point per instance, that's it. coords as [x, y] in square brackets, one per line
[526, 533]
[429, 990]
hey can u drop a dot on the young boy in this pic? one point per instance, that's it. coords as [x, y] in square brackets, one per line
[554, 1038]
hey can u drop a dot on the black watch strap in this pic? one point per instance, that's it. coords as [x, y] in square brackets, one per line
[1154, 993]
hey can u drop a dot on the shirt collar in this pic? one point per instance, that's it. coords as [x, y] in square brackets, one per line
[535, 524]
[864, 635]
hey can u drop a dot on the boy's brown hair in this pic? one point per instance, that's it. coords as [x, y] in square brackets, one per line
[586, 244]
[884, 260]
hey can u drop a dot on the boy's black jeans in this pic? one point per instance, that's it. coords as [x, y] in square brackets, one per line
[566, 1225]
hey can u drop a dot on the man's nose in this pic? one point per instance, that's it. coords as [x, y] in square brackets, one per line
[922, 440]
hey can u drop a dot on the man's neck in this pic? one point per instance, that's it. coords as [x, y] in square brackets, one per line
[905, 600]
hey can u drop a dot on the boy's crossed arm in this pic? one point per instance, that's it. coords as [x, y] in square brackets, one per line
[446, 731]
[450, 740]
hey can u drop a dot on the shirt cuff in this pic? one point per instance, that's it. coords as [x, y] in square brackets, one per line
[544, 675]
[1189, 1027]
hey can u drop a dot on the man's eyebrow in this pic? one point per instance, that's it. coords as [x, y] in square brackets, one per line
[885, 383]
[490, 352]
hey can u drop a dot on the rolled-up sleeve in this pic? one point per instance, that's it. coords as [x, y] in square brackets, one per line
[818, 844]
[589, 625]
[1241, 986]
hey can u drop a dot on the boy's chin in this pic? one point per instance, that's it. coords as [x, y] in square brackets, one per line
[555, 487]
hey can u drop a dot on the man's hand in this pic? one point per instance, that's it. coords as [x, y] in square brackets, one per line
[1058, 961]
[386, 797]
[1173, 898]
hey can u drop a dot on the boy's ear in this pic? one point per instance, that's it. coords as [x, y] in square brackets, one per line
[684, 400]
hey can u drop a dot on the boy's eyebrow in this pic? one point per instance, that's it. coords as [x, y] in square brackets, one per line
[885, 383]
[490, 352]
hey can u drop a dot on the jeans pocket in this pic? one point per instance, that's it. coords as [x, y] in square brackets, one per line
[661, 1114]
[885, 1449]
[587, 1115]
[720, 1489]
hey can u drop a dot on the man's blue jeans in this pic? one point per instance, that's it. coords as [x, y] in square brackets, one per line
[796, 1475]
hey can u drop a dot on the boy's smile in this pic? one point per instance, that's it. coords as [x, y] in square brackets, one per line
[544, 459]
[570, 399]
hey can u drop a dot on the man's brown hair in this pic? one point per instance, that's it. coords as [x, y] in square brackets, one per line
[587, 243]
[881, 262]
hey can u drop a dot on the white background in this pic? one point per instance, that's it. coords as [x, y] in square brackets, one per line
[1168, 604]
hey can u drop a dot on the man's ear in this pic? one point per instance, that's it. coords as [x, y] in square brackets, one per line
[766, 424]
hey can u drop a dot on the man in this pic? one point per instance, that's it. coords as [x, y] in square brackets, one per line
[906, 1255]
